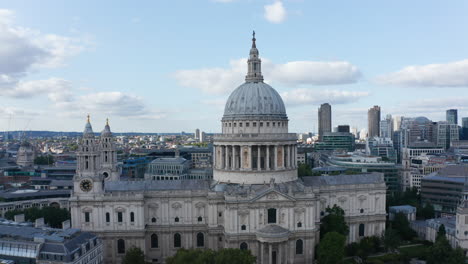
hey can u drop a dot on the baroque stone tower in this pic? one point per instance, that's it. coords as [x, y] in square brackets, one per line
[255, 146]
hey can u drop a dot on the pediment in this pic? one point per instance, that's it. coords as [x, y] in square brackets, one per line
[272, 196]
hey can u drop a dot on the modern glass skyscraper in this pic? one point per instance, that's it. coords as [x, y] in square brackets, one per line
[324, 119]
[464, 128]
[373, 121]
[452, 116]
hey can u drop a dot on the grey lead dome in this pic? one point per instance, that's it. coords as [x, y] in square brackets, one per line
[254, 100]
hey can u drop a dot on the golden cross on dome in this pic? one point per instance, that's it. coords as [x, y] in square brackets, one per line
[88, 118]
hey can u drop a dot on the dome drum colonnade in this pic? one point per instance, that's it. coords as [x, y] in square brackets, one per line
[255, 146]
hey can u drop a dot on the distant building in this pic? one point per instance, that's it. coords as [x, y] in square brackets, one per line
[419, 129]
[452, 116]
[408, 210]
[464, 128]
[324, 119]
[343, 128]
[26, 155]
[202, 137]
[373, 121]
[197, 133]
[443, 189]
[22, 242]
[421, 166]
[382, 147]
[445, 133]
[386, 127]
[339, 141]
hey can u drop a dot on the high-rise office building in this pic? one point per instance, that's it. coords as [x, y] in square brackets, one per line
[373, 121]
[452, 116]
[343, 128]
[197, 133]
[324, 119]
[397, 122]
[445, 134]
[386, 127]
[464, 128]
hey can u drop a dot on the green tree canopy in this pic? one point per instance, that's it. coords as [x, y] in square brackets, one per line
[52, 216]
[402, 225]
[304, 170]
[334, 221]
[391, 239]
[134, 256]
[331, 248]
[223, 256]
[440, 251]
[441, 232]
[44, 160]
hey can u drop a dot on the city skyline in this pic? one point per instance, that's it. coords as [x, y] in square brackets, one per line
[171, 69]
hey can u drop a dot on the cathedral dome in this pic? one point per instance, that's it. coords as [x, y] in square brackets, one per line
[106, 132]
[254, 100]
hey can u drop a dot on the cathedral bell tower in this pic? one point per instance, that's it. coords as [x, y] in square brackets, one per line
[108, 155]
[87, 180]
[461, 225]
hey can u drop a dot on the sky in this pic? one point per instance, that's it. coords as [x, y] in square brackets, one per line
[169, 66]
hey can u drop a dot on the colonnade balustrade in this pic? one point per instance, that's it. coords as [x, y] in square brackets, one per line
[255, 157]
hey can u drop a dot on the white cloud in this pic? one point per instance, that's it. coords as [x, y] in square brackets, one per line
[275, 13]
[453, 74]
[303, 96]
[23, 49]
[52, 87]
[223, 80]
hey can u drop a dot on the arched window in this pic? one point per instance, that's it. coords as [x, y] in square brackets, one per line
[107, 217]
[299, 224]
[154, 241]
[200, 240]
[362, 211]
[299, 246]
[119, 217]
[177, 240]
[153, 219]
[176, 219]
[200, 219]
[120, 246]
[361, 230]
[244, 246]
[272, 216]
[243, 227]
[132, 217]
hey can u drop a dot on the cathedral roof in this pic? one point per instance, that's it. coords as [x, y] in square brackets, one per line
[106, 132]
[254, 99]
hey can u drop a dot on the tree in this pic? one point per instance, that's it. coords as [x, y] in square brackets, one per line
[391, 239]
[134, 256]
[427, 212]
[52, 216]
[198, 256]
[304, 170]
[331, 248]
[334, 221]
[366, 247]
[441, 250]
[44, 160]
[456, 256]
[401, 224]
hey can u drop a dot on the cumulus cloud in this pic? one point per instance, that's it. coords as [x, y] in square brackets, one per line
[452, 74]
[25, 49]
[223, 80]
[52, 87]
[303, 96]
[275, 12]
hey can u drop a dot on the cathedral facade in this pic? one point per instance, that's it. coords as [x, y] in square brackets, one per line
[255, 201]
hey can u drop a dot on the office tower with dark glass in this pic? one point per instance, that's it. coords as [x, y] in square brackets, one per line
[373, 121]
[452, 116]
[324, 119]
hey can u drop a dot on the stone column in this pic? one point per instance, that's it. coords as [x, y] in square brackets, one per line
[282, 156]
[259, 152]
[267, 158]
[270, 255]
[280, 253]
[250, 158]
[234, 165]
[241, 157]
[214, 157]
[262, 249]
[286, 154]
[275, 157]
[290, 156]
[226, 158]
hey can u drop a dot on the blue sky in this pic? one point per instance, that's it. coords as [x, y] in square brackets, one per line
[169, 66]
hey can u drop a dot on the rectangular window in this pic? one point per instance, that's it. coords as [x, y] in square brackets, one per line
[273, 124]
[254, 124]
[120, 217]
[86, 217]
[261, 124]
[247, 124]
[240, 124]
[235, 124]
[107, 217]
[268, 124]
